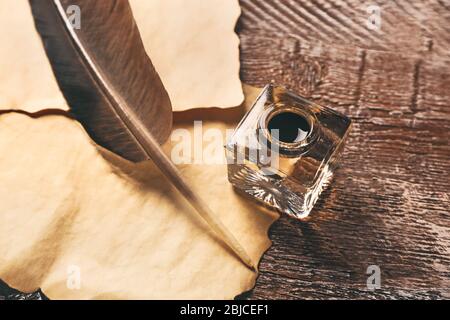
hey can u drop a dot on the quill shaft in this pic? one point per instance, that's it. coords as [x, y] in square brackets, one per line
[170, 171]
[155, 153]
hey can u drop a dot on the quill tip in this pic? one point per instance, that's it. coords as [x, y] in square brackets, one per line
[248, 262]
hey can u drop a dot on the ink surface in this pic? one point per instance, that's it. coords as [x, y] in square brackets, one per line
[292, 127]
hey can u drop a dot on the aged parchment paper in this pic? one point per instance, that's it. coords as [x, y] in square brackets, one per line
[26, 78]
[81, 223]
[192, 44]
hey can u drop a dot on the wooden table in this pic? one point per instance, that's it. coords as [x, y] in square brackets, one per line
[389, 204]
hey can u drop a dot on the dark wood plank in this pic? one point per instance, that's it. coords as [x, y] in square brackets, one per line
[389, 203]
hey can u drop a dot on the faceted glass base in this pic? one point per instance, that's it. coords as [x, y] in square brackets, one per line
[303, 167]
[283, 194]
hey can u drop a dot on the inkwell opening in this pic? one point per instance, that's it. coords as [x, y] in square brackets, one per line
[293, 127]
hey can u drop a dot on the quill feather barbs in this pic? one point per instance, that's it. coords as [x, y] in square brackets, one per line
[105, 74]
[113, 89]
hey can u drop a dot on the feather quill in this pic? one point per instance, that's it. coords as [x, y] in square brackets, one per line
[113, 89]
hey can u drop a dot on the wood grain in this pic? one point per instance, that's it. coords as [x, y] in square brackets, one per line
[389, 203]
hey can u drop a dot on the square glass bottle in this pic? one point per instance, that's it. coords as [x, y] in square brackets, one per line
[285, 150]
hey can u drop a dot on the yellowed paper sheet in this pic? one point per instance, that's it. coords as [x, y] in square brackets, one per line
[26, 77]
[79, 222]
[194, 48]
[192, 44]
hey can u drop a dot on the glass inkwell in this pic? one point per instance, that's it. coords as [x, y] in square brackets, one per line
[285, 150]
